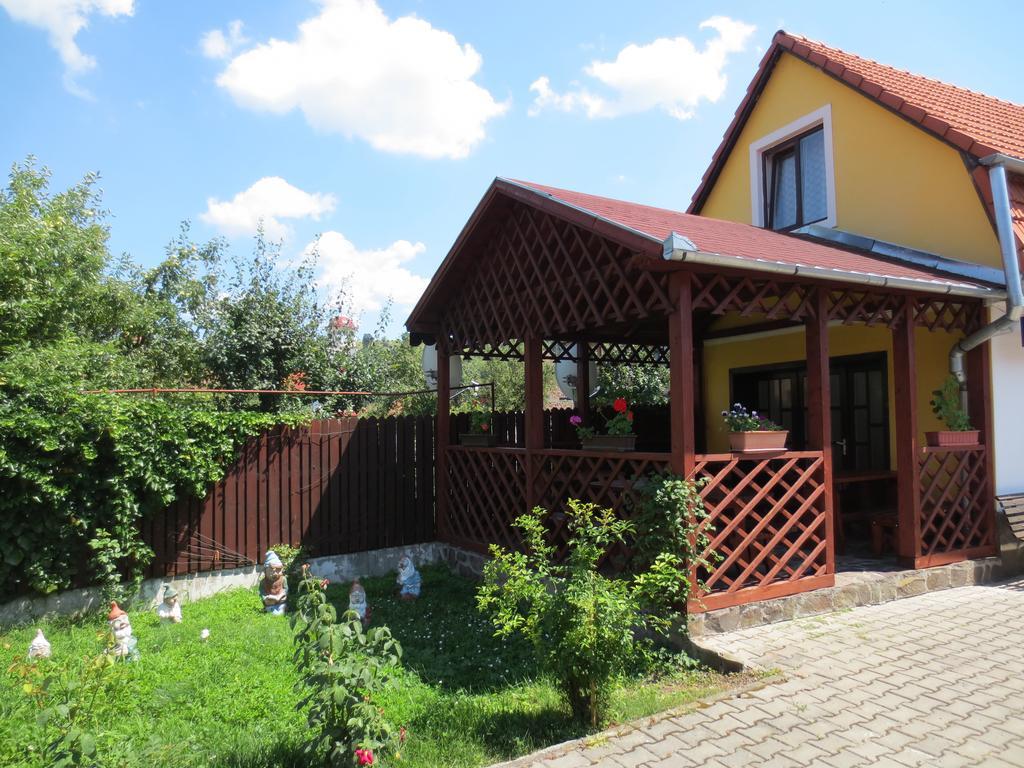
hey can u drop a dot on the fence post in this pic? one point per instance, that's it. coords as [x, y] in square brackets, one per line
[442, 439]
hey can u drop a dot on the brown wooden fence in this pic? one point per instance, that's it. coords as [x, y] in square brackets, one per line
[334, 487]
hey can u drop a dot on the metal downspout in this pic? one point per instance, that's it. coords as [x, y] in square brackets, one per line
[1008, 247]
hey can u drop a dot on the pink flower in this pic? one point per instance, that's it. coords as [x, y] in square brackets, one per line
[324, 583]
[364, 756]
[575, 420]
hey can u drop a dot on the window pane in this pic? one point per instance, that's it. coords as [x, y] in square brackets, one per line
[784, 192]
[812, 177]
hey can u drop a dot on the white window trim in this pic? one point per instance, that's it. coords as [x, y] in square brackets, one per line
[759, 148]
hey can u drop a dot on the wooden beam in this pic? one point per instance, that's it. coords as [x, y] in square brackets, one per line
[819, 410]
[979, 410]
[442, 440]
[681, 375]
[534, 410]
[583, 382]
[908, 479]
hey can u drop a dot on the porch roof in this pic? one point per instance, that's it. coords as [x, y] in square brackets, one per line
[747, 243]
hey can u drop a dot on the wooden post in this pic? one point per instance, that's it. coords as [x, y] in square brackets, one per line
[681, 380]
[583, 382]
[819, 409]
[908, 478]
[442, 439]
[979, 410]
[534, 416]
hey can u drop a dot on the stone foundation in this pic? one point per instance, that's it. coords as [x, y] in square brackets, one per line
[852, 589]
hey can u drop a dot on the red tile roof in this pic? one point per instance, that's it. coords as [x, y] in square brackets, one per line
[977, 124]
[741, 241]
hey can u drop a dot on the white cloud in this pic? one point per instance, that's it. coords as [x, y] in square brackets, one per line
[402, 85]
[217, 45]
[368, 278]
[269, 200]
[669, 73]
[63, 20]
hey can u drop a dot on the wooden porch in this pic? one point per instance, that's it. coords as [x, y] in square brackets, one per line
[547, 281]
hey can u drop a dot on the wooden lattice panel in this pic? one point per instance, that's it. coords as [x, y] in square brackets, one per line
[749, 296]
[487, 491]
[957, 511]
[951, 314]
[510, 351]
[855, 305]
[766, 521]
[611, 480]
[629, 354]
[540, 274]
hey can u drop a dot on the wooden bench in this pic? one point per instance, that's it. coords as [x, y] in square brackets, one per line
[1013, 508]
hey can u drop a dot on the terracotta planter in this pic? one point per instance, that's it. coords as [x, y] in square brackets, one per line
[948, 439]
[478, 440]
[756, 442]
[609, 443]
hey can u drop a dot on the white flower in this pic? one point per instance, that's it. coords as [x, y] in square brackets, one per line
[204, 635]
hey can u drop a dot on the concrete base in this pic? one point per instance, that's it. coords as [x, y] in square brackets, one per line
[195, 586]
[1011, 548]
[853, 588]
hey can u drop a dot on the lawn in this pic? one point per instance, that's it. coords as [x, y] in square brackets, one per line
[467, 698]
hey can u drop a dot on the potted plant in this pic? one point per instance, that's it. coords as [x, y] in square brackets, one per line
[618, 434]
[749, 432]
[945, 404]
[479, 435]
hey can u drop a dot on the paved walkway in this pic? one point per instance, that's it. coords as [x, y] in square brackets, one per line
[935, 680]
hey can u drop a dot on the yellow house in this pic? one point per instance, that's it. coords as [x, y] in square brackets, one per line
[854, 243]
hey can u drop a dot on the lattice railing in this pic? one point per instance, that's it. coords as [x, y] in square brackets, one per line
[957, 512]
[767, 521]
[608, 479]
[486, 492]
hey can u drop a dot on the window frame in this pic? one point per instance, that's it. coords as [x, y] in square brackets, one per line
[766, 148]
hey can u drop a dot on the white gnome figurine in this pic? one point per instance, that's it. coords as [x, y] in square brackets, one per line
[274, 585]
[409, 579]
[125, 645]
[169, 611]
[357, 602]
[39, 648]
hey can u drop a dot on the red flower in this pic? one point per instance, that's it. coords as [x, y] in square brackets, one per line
[629, 416]
[620, 405]
[364, 756]
[485, 427]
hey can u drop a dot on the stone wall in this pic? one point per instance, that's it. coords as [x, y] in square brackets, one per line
[196, 586]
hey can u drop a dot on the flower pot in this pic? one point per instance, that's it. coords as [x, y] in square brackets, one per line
[478, 440]
[948, 439]
[609, 443]
[756, 442]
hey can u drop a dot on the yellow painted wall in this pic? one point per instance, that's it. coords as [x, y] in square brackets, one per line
[894, 182]
[722, 356]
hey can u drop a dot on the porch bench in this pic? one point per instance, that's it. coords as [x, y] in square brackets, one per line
[1013, 508]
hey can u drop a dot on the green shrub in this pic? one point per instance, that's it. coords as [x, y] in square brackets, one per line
[583, 625]
[946, 405]
[343, 669]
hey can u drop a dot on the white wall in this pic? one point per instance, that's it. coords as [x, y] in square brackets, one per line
[1008, 410]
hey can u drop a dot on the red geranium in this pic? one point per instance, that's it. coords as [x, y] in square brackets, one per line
[629, 415]
[620, 405]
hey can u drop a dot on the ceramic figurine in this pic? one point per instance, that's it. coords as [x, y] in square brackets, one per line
[121, 629]
[409, 579]
[357, 602]
[274, 585]
[169, 610]
[39, 648]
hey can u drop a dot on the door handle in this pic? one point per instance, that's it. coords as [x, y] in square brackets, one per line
[842, 443]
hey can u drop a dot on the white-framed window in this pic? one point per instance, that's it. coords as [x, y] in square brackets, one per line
[792, 174]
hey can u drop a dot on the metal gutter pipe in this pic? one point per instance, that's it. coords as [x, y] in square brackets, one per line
[679, 248]
[997, 165]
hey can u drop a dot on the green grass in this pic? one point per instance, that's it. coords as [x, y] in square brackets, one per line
[467, 698]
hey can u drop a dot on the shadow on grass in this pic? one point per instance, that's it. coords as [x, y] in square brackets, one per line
[507, 735]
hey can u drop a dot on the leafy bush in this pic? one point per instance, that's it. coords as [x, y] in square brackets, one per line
[583, 625]
[343, 668]
[946, 405]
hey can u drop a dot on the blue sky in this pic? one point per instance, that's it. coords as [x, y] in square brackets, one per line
[380, 124]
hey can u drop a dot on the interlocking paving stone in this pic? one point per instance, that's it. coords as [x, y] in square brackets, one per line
[935, 680]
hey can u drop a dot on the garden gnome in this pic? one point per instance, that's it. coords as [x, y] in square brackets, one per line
[357, 602]
[39, 648]
[409, 579]
[274, 585]
[169, 610]
[121, 630]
